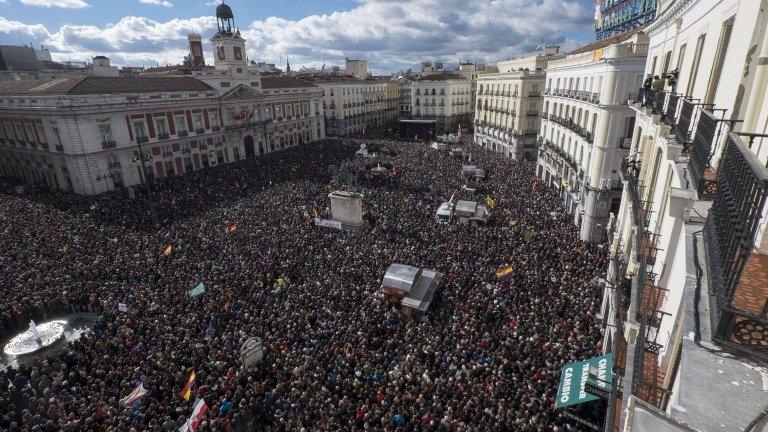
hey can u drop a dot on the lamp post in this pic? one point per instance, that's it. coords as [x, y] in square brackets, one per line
[141, 158]
[104, 176]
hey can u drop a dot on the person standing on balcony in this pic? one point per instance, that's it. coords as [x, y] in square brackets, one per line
[648, 81]
[658, 83]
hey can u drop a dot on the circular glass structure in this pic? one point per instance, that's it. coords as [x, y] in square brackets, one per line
[36, 338]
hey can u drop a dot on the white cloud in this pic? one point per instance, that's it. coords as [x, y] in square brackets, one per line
[397, 33]
[67, 4]
[165, 3]
[15, 27]
[390, 34]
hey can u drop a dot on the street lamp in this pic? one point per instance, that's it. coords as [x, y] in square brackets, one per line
[105, 177]
[141, 157]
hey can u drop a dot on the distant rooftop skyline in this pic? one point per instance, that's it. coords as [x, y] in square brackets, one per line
[392, 35]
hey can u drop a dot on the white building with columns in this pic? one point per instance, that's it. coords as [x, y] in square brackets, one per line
[586, 127]
[92, 134]
[509, 104]
[686, 296]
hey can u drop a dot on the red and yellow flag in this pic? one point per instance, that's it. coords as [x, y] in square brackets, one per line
[504, 271]
[186, 392]
[232, 227]
[167, 250]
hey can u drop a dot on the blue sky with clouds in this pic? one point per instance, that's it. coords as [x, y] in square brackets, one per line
[391, 34]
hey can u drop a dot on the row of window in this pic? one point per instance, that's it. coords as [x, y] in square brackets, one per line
[588, 84]
[23, 132]
[441, 92]
[504, 89]
[161, 126]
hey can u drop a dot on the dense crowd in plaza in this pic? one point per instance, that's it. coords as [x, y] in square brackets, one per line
[338, 356]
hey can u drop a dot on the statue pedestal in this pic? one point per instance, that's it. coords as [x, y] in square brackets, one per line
[347, 208]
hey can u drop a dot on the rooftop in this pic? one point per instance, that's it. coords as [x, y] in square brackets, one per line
[104, 85]
[331, 79]
[274, 82]
[442, 77]
[621, 37]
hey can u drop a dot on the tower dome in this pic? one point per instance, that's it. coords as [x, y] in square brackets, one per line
[225, 19]
[223, 11]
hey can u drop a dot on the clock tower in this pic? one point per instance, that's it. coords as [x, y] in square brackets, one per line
[228, 45]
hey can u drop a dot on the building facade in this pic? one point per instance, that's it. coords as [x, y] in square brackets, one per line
[586, 128]
[443, 98]
[356, 68]
[613, 17]
[685, 296]
[354, 106]
[92, 134]
[509, 105]
[405, 87]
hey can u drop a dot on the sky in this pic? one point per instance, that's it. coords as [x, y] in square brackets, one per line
[393, 35]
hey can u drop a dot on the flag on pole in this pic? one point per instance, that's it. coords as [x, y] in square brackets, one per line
[504, 271]
[196, 418]
[490, 202]
[134, 397]
[167, 250]
[232, 227]
[186, 392]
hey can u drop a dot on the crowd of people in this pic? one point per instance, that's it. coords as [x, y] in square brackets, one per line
[338, 356]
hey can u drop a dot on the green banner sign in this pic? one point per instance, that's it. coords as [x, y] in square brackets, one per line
[575, 376]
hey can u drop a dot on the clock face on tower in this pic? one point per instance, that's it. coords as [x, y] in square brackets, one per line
[221, 53]
[238, 54]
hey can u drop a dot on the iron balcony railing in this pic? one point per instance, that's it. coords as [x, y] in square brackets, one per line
[671, 112]
[684, 122]
[658, 102]
[731, 232]
[701, 151]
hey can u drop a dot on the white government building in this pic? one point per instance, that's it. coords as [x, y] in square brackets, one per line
[686, 294]
[94, 133]
[509, 104]
[586, 127]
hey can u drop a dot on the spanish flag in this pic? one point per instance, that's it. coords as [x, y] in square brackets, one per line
[504, 271]
[167, 250]
[232, 227]
[186, 392]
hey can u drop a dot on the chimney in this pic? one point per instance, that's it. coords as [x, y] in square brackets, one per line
[551, 50]
[196, 50]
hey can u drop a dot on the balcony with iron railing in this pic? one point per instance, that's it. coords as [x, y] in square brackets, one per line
[738, 268]
[242, 124]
